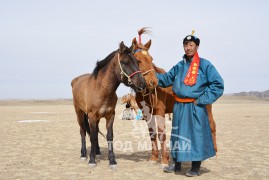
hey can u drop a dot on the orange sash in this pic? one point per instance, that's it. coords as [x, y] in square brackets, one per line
[191, 76]
[183, 100]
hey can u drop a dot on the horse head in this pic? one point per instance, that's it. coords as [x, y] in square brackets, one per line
[130, 73]
[145, 60]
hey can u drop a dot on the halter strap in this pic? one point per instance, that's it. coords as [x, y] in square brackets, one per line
[123, 73]
[137, 50]
[144, 73]
[134, 73]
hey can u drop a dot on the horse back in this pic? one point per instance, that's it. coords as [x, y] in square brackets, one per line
[90, 98]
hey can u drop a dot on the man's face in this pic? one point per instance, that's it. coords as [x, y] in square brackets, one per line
[190, 48]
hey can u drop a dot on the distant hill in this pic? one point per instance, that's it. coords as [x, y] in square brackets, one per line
[261, 95]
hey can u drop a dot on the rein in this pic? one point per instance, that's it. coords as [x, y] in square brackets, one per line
[124, 74]
[151, 103]
[144, 73]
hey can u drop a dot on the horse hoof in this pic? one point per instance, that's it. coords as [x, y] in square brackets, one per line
[83, 158]
[113, 167]
[163, 166]
[92, 165]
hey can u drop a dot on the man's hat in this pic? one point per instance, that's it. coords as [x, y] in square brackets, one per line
[192, 38]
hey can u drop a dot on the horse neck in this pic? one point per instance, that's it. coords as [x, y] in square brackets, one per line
[158, 70]
[108, 78]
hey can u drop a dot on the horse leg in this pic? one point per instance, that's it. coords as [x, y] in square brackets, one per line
[153, 137]
[109, 126]
[86, 122]
[93, 138]
[97, 140]
[80, 120]
[162, 138]
[212, 125]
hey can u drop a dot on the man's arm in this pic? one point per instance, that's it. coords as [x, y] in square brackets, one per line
[215, 88]
[167, 79]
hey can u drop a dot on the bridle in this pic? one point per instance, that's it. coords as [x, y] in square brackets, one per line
[124, 73]
[146, 72]
[144, 94]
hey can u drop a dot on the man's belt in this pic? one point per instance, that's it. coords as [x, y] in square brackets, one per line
[183, 100]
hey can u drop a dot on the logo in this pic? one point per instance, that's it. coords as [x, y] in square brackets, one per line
[158, 126]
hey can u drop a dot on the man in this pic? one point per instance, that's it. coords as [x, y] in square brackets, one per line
[128, 112]
[196, 83]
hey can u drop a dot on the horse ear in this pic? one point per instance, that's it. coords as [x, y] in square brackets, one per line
[122, 48]
[134, 45]
[148, 44]
[131, 48]
[134, 42]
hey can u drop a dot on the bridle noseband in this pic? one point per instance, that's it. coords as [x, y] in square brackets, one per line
[146, 72]
[124, 74]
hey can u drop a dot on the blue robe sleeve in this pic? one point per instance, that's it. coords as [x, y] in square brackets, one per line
[215, 87]
[167, 79]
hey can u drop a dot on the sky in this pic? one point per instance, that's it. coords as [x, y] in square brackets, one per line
[44, 44]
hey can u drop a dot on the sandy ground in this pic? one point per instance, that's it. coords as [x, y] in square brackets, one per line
[50, 148]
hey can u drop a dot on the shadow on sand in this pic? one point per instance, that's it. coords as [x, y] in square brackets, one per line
[135, 156]
[144, 156]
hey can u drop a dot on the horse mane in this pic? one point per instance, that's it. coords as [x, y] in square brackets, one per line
[158, 70]
[103, 63]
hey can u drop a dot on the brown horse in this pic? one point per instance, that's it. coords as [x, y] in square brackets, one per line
[94, 97]
[160, 101]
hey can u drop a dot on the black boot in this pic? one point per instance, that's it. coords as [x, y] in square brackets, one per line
[174, 167]
[195, 169]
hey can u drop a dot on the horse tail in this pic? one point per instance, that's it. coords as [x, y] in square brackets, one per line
[86, 123]
[102, 134]
[87, 126]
